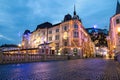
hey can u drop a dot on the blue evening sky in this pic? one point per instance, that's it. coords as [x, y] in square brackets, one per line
[18, 15]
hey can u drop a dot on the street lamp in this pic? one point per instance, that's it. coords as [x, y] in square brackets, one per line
[19, 46]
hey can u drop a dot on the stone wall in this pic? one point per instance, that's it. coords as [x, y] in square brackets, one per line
[20, 58]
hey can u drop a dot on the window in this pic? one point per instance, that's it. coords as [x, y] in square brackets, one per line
[50, 38]
[75, 26]
[43, 33]
[65, 43]
[50, 32]
[117, 21]
[57, 37]
[76, 34]
[57, 30]
[42, 50]
[39, 34]
[65, 28]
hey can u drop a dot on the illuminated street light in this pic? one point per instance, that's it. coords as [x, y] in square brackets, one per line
[97, 48]
[19, 45]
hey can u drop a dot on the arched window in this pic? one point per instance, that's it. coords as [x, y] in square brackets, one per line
[76, 34]
[75, 26]
[117, 21]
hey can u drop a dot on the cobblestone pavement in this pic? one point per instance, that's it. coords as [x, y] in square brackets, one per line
[82, 69]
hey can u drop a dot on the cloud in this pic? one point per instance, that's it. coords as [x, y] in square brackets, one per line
[19, 15]
[4, 37]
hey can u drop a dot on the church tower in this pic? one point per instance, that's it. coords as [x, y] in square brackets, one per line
[118, 8]
[114, 31]
[75, 16]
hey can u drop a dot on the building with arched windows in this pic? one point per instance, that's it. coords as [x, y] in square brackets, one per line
[67, 37]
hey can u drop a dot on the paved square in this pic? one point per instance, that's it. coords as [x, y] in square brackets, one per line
[82, 69]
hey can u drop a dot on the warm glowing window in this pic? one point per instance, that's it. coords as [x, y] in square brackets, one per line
[65, 35]
[118, 29]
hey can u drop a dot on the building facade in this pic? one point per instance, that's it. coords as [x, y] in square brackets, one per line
[67, 37]
[114, 32]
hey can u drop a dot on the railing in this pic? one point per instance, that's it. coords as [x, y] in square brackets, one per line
[20, 58]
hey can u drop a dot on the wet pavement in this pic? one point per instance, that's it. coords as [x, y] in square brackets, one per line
[82, 69]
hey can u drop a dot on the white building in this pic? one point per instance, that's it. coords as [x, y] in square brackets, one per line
[66, 37]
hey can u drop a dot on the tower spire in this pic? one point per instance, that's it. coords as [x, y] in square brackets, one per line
[118, 7]
[74, 10]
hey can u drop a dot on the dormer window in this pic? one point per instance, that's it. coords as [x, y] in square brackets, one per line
[117, 21]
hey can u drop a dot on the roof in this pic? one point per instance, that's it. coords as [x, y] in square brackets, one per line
[56, 24]
[27, 31]
[44, 25]
[67, 17]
